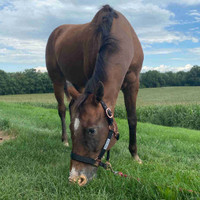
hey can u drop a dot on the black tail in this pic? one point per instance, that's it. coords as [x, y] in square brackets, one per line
[67, 83]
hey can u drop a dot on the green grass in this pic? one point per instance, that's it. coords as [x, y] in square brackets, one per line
[166, 96]
[36, 164]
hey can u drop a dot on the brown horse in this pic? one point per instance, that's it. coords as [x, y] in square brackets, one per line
[99, 58]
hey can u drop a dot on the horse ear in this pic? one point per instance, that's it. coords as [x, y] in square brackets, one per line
[72, 92]
[99, 92]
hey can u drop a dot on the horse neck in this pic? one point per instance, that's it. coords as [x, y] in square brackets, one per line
[112, 85]
[114, 70]
[91, 45]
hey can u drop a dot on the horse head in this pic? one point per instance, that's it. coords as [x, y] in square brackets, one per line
[90, 130]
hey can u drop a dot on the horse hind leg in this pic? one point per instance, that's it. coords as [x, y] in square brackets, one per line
[59, 94]
[130, 89]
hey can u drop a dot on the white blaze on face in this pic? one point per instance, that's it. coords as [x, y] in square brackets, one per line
[76, 124]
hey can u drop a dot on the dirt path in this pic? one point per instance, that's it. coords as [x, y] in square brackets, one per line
[4, 137]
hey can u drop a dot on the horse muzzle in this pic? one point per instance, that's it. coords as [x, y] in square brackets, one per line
[80, 180]
[83, 177]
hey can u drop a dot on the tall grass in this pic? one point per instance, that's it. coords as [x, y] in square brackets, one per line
[187, 116]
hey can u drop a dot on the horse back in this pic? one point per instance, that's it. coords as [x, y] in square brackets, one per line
[72, 50]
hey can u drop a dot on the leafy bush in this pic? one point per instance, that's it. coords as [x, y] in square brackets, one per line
[120, 112]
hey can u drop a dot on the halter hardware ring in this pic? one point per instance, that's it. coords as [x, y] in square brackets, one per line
[97, 162]
[109, 113]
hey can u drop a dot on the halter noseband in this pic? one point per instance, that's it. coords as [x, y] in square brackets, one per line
[97, 162]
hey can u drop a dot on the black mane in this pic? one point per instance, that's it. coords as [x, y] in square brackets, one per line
[108, 46]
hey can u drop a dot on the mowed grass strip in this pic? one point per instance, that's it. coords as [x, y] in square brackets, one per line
[35, 165]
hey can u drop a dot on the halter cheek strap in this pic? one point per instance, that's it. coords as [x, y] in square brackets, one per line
[97, 162]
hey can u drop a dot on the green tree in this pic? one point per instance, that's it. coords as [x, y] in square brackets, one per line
[152, 79]
[5, 83]
[193, 76]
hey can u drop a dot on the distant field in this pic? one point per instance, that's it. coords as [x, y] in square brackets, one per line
[146, 97]
[166, 96]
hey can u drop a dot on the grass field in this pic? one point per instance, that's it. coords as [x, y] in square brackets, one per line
[170, 106]
[146, 97]
[35, 165]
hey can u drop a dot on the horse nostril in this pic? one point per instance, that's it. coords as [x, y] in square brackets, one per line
[82, 180]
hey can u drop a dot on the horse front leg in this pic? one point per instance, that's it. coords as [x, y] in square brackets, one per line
[59, 94]
[130, 90]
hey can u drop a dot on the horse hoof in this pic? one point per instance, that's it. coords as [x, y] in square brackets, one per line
[66, 144]
[137, 159]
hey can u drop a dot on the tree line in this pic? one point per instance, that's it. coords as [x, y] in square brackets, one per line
[157, 79]
[30, 81]
[26, 82]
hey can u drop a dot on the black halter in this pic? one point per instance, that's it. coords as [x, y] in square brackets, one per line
[97, 162]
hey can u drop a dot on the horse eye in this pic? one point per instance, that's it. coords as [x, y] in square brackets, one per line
[91, 131]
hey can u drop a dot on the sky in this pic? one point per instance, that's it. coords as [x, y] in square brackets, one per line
[169, 30]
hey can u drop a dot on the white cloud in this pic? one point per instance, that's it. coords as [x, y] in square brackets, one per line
[166, 36]
[178, 58]
[161, 51]
[194, 13]
[25, 51]
[26, 25]
[40, 69]
[184, 68]
[186, 2]
[151, 21]
[197, 19]
[166, 68]
[194, 29]
[36, 19]
[180, 2]
[195, 51]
